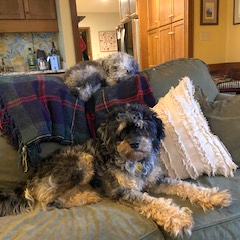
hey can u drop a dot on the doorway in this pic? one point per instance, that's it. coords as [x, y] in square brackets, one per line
[85, 33]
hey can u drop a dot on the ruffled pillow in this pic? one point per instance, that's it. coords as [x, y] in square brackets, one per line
[189, 149]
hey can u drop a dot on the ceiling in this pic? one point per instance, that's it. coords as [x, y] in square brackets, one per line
[97, 6]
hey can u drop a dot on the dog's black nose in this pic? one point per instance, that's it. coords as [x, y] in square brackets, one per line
[134, 145]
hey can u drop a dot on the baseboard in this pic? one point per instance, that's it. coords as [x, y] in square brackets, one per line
[230, 69]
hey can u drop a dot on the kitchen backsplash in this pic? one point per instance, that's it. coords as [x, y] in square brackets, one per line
[14, 46]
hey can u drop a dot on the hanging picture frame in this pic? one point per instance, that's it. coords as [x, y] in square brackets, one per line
[108, 41]
[209, 12]
[236, 12]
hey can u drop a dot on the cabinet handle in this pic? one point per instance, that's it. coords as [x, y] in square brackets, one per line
[170, 33]
[156, 21]
[156, 36]
[170, 16]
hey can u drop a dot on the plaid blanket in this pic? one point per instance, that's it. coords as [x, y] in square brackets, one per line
[37, 108]
[134, 90]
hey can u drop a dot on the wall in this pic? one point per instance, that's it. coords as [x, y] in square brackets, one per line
[99, 22]
[66, 42]
[222, 43]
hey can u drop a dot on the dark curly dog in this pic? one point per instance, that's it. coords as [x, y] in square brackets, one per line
[126, 163]
[86, 77]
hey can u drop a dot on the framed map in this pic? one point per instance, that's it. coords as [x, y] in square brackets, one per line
[108, 41]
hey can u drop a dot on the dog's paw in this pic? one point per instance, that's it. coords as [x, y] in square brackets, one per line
[215, 199]
[180, 223]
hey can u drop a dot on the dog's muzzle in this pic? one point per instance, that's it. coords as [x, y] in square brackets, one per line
[134, 150]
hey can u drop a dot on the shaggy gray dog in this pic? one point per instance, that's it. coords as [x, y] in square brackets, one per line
[86, 77]
[122, 164]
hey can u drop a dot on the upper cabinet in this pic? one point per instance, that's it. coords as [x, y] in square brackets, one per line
[28, 16]
[166, 30]
[128, 10]
[44, 9]
[153, 13]
[11, 9]
[163, 12]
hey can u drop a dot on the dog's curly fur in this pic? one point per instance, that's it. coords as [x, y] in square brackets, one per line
[125, 159]
[86, 77]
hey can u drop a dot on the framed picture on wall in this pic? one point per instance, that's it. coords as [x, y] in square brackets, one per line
[108, 41]
[209, 12]
[236, 12]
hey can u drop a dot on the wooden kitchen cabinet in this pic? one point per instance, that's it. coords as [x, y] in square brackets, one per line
[128, 10]
[44, 9]
[177, 40]
[166, 43]
[28, 16]
[170, 11]
[27, 9]
[153, 46]
[167, 22]
[153, 13]
[163, 12]
[11, 9]
[171, 42]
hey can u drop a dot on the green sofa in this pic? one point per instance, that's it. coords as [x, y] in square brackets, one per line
[111, 220]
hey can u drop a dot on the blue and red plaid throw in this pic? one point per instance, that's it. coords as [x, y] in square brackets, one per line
[134, 90]
[37, 108]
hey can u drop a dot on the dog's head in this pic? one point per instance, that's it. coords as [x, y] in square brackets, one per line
[119, 66]
[131, 133]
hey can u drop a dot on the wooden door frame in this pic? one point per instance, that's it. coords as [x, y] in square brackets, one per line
[89, 43]
[73, 12]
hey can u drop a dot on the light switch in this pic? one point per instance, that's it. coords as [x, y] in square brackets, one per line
[204, 36]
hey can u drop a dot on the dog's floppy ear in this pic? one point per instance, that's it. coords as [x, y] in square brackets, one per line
[160, 128]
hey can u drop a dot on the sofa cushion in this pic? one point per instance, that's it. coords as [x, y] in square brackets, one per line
[189, 148]
[104, 220]
[224, 120]
[166, 75]
[11, 171]
[222, 223]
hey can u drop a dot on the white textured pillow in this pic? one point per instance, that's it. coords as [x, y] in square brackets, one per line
[189, 148]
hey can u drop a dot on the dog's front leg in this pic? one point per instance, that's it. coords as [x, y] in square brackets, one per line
[175, 220]
[207, 198]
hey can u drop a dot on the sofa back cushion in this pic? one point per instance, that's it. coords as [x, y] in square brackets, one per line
[166, 75]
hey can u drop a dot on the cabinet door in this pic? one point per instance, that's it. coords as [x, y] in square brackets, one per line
[132, 7]
[177, 10]
[178, 50]
[44, 9]
[153, 13]
[165, 12]
[153, 49]
[11, 9]
[124, 10]
[165, 46]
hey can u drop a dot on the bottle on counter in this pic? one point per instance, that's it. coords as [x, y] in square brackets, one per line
[54, 50]
[54, 58]
[32, 63]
